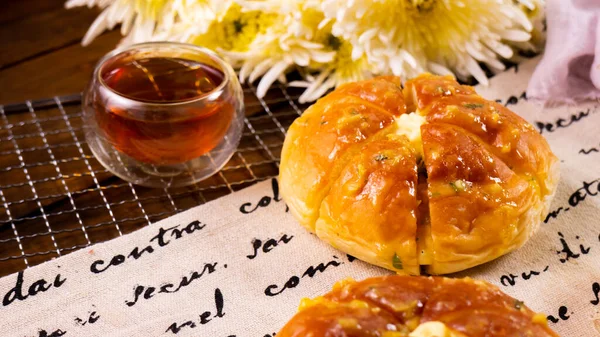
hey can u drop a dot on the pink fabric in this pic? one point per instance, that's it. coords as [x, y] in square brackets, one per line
[569, 71]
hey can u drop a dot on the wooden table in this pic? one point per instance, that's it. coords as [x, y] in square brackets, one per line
[55, 197]
[41, 55]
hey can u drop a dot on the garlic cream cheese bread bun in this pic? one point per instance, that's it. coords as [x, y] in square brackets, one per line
[415, 306]
[430, 176]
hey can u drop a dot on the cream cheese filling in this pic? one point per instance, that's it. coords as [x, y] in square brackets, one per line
[409, 125]
[434, 329]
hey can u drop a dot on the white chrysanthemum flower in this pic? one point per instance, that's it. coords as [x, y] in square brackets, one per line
[278, 45]
[341, 69]
[306, 42]
[333, 42]
[152, 20]
[430, 35]
[189, 18]
[533, 9]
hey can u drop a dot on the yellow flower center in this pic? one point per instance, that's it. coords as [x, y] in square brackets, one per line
[236, 30]
[343, 64]
[421, 5]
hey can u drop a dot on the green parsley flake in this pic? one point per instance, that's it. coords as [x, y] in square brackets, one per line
[473, 105]
[518, 304]
[458, 185]
[396, 262]
[453, 185]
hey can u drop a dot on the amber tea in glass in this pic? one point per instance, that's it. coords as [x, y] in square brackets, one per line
[163, 114]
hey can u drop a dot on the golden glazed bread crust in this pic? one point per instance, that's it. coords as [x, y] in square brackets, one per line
[471, 184]
[398, 306]
[373, 201]
[322, 140]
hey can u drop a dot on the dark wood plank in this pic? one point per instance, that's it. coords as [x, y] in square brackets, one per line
[43, 33]
[19, 9]
[61, 72]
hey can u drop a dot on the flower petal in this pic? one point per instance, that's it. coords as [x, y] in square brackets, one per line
[515, 35]
[476, 71]
[298, 84]
[97, 27]
[270, 77]
[439, 69]
[314, 85]
[260, 69]
[318, 92]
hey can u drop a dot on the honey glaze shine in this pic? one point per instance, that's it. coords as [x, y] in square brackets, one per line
[158, 134]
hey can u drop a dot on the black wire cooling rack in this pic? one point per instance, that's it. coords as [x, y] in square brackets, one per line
[56, 198]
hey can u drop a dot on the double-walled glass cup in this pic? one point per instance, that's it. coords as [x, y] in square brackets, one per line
[165, 136]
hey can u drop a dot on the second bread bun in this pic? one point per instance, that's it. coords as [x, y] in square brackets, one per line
[407, 306]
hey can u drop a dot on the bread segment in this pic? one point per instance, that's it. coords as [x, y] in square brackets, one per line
[370, 210]
[320, 142]
[475, 200]
[488, 171]
[423, 92]
[383, 91]
[442, 100]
